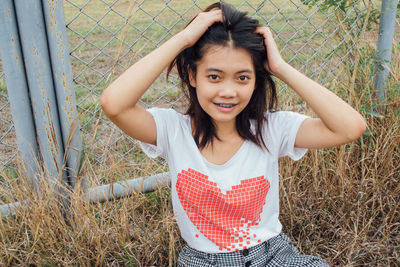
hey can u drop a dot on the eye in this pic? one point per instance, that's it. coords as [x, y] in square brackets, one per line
[243, 78]
[213, 77]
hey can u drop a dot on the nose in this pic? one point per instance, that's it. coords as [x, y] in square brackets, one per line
[227, 90]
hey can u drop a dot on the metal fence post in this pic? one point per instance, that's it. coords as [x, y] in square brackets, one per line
[17, 89]
[62, 75]
[36, 61]
[33, 38]
[385, 39]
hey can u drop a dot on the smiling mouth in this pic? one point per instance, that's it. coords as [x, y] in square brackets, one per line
[225, 106]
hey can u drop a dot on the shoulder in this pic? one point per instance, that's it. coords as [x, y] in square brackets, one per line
[169, 119]
[166, 113]
[282, 115]
[282, 129]
[281, 123]
[170, 125]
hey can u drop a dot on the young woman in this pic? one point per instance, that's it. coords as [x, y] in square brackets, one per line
[223, 153]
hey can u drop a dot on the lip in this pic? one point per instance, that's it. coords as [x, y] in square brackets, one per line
[225, 109]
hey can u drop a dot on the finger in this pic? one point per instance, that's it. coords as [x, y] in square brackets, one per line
[211, 16]
[268, 32]
[265, 31]
[260, 30]
[217, 15]
[268, 37]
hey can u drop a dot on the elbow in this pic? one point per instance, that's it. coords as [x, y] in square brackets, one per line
[105, 105]
[103, 101]
[358, 129]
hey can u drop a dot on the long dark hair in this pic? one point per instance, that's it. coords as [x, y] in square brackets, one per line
[237, 30]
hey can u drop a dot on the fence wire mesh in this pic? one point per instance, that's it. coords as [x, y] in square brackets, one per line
[8, 143]
[107, 36]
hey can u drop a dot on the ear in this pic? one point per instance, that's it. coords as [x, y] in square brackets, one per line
[192, 78]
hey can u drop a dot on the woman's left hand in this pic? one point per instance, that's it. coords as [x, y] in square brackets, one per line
[337, 123]
[275, 63]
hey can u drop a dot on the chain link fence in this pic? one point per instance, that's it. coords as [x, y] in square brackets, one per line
[8, 142]
[107, 36]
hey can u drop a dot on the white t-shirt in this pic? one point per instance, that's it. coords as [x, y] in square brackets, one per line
[223, 208]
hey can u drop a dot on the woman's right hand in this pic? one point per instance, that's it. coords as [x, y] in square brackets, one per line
[199, 26]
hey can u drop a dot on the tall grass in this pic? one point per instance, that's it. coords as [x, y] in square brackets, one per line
[340, 203]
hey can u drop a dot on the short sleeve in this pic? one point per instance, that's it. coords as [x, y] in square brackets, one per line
[284, 126]
[163, 118]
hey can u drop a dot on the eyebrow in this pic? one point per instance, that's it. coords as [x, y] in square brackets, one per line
[218, 70]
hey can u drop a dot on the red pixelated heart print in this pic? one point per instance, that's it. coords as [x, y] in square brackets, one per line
[225, 219]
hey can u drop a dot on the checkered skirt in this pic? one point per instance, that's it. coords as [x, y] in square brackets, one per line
[277, 251]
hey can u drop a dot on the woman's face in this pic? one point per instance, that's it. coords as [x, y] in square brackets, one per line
[224, 82]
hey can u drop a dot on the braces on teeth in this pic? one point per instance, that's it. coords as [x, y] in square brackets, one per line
[225, 106]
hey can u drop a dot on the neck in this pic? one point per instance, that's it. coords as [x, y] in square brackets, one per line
[226, 131]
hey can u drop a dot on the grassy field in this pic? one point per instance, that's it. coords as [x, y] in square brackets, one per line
[341, 203]
[106, 38]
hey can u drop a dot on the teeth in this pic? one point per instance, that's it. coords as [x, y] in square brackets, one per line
[225, 106]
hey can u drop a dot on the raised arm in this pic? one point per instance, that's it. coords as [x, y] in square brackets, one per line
[119, 100]
[338, 122]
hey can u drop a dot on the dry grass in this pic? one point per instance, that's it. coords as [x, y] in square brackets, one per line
[340, 203]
